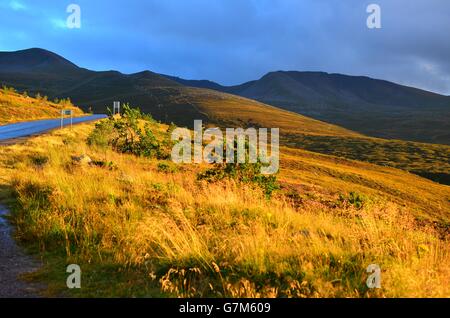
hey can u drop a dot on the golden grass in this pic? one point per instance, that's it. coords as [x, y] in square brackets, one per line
[226, 109]
[192, 238]
[17, 107]
[331, 175]
[297, 131]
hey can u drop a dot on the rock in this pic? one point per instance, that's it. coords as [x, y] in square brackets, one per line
[82, 160]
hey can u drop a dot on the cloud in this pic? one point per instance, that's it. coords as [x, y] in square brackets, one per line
[58, 23]
[232, 41]
[17, 6]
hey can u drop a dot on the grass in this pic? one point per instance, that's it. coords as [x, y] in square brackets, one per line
[182, 105]
[17, 107]
[143, 229]
[431, 161]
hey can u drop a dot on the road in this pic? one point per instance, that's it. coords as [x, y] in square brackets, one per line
[29, 128]
[13, 261]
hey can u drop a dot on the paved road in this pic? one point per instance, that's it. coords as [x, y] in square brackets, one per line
[18, 130]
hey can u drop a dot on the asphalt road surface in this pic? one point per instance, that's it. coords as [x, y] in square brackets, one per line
[29, 128]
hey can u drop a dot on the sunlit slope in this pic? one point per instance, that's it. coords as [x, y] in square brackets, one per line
[16, 107]
[327, 176]
[233, 110]
[183, 104]
[125, 217]
[374, 107]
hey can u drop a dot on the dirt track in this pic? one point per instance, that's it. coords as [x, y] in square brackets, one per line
[13, 263]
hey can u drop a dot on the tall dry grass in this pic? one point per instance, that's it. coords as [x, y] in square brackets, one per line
[17, 107]
[214, 239]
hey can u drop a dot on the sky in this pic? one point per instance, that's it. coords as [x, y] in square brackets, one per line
[234, 41]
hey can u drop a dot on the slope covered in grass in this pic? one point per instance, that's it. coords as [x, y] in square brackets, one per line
[420, 116]
[146, 227]
[185, 104]
[373, 107]
[431, 161]
[15, 107]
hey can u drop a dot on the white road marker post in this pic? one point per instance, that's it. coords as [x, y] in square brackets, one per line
[67, 112]
[116, 105]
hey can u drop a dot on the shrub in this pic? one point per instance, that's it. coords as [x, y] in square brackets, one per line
[167, 167]
[354, 198]
[242, 172]
[39, 160]
[101, 135]
[124, 135]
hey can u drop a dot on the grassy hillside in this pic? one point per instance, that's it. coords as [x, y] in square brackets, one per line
[182, 105]
[15, 107]
[373, 107]
[431, 161]
[229, 110]
[169, 101]
[146, 227]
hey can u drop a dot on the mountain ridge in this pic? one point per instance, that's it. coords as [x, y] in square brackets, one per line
[169, 101]
[373, 107]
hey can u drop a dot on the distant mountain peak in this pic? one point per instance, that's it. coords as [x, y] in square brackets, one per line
[34, 59]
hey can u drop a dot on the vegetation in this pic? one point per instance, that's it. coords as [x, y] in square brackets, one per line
[225, 110]
[428, 160]
[244, 173]
[21, 107]
[148, 227]
[126, 135]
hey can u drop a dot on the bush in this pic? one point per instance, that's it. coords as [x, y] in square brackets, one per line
[39, 160]
[102, 134]
[167, 167]
[354, 198]
[7, 89]
[242, 172]
[124, 135]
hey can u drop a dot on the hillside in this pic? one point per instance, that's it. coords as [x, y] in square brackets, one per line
[170, 101]
[15, 107]
[224, 110]
[373, 107]
[145, 227]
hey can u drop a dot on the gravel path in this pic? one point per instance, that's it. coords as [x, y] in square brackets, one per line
[14, 262]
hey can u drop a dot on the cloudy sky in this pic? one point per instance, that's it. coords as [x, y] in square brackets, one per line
[232, 41]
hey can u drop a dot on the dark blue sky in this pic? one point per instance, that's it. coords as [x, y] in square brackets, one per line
[232, 41]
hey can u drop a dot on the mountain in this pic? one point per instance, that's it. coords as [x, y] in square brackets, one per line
[34, 60]
[169, 99]
[38, 70]
[373, 107]
[196, 83]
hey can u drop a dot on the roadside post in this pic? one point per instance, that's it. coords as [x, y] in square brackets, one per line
[116, 105]
[66, 112]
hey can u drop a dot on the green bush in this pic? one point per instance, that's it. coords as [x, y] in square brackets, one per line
[242, 172]
[167, 167]
[124, 135]
[354, 198]
[102, 134]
